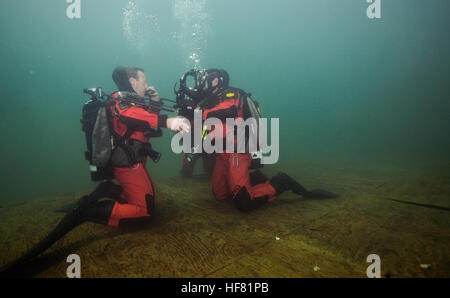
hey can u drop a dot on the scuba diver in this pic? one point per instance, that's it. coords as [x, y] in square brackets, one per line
[232, 177]
[187, 100]
[118, 131]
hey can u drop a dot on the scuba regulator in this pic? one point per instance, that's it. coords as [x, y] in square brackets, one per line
[95, 93]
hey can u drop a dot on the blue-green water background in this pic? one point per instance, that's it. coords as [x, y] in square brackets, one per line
[345, 87]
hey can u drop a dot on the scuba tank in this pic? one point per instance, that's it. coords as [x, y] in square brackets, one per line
[102, 141]
[97, 125]
[252, 110]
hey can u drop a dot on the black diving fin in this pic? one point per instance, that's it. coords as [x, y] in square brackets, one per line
[105, 189]
[68, 223]
[282, 182]
[66, 208]
[320, 194]
[88, 208]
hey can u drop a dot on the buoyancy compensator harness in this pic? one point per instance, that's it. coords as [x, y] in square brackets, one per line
[102, 140]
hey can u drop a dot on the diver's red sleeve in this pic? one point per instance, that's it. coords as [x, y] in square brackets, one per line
[225, 109]
[139, 117]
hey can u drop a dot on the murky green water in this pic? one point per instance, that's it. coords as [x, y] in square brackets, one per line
[345, 87]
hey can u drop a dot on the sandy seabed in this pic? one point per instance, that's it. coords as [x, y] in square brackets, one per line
[192, 235]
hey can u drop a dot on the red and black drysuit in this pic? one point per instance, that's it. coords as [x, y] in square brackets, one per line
[133, 200]
[231, 176]
[133, 124]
